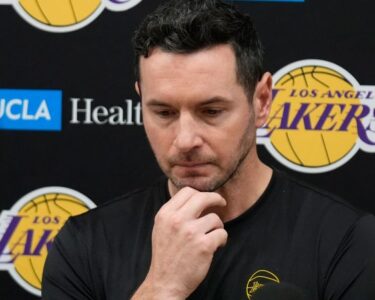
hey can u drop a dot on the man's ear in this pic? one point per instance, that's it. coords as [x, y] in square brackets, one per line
[137, 88]
[262, 99]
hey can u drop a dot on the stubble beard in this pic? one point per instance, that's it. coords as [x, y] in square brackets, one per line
[247, 142]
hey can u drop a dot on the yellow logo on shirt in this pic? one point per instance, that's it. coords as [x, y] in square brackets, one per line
[258, 280]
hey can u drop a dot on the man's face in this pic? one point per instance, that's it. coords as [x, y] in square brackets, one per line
[198, 119]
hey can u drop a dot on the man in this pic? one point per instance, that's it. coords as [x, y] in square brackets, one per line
[224, 224]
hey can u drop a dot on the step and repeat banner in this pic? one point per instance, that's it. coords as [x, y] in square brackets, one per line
[71, 132]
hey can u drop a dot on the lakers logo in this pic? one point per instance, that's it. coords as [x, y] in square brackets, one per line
[320, 117]
[65, 15]
[27, 231]
[258, 280]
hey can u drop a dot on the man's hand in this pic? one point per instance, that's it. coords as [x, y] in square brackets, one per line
[183, 244]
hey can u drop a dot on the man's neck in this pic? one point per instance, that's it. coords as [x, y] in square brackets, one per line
[243, 190]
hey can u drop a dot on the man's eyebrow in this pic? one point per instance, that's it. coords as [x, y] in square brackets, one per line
[155, 102]
[213, 100]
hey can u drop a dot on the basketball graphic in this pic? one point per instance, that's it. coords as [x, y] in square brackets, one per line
[65, 15]
[39, 216]
[304, 145]
[258, 280]
[60, 12]
[318, 117]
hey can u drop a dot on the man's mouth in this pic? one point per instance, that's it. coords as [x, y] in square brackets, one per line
[190, 164]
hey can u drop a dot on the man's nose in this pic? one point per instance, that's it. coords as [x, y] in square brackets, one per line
[188, 133]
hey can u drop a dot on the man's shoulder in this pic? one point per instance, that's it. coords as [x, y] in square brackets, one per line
[333, 224]
[317, 212]
[315, 200]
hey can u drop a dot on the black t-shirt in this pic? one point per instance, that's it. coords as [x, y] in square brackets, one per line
[294, 234]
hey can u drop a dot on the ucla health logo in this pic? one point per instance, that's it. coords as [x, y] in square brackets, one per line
[65, 15]
[30, 109]
[27, 231]
[320, 117]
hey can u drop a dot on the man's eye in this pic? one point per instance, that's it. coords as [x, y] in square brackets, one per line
[211, 112]
[165, 113]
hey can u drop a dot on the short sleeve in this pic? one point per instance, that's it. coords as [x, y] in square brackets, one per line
[66, 273]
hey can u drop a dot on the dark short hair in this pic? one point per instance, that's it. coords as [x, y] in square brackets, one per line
[186, 26]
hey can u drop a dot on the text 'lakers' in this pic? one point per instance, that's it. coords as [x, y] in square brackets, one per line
[320, 117]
